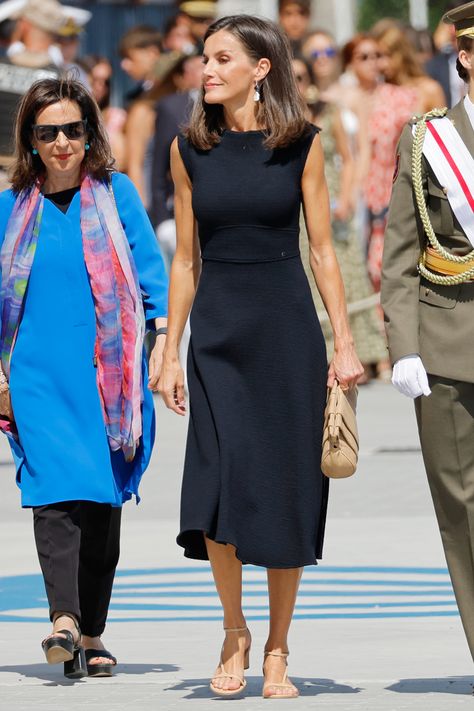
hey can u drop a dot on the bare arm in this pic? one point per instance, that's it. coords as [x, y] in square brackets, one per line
[433, 95]
[138, 131]
[363, 144]
[345, 365]
[184, 277]
[344, 202]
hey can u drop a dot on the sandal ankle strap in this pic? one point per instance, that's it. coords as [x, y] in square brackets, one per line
[76, 624]
[71, 617]
[276, 654]
[235, 629]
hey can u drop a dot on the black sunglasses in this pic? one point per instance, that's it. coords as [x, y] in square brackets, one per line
[365, 56]
[47, 133]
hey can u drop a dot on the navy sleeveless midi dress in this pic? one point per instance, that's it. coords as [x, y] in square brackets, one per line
[257, 366]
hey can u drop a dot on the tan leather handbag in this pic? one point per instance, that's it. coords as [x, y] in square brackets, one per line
[340, 435]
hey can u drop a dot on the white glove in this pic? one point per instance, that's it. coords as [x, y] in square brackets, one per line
[410, 377]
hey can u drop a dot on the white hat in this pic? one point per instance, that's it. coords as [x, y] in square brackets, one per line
[75, 19]
[45, 14]
[10, 9]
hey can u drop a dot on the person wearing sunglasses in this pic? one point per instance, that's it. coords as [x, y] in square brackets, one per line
[82, 279]
[321, 52]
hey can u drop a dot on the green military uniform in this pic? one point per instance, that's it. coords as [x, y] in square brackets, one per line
[436, 321]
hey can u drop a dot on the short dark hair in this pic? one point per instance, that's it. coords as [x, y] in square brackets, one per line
[466, 44]
[304, 5]
[139, 37]
[281, 109]
[171, 23]
[26, 169]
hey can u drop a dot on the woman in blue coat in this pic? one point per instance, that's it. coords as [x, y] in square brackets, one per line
[82, 278]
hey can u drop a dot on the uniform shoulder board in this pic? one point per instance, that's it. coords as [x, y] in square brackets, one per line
[433, 114]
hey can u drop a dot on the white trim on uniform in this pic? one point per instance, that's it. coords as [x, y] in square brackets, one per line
[453, 165]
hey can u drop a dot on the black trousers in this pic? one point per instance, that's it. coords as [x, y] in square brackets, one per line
[78, 544]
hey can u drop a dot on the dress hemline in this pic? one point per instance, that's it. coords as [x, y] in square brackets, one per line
[195, 556]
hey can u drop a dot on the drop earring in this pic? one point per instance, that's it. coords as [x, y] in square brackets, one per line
[34, 151]
[256, 96]
[87, 146]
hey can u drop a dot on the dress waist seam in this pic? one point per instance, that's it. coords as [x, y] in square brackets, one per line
[286, 230]
[229, 260]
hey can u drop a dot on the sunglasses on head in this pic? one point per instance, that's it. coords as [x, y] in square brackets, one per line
[47, 133]
[329, 52]
[365, 56]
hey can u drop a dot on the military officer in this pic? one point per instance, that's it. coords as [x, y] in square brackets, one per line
[29, 59]
[428, 301]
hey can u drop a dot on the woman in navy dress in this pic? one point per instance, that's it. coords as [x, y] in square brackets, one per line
[253, 491]
[74, 402]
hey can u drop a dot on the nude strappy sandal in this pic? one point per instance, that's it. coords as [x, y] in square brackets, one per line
[285, 684]
[225, 675]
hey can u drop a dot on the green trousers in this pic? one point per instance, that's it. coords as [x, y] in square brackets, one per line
[446, 428]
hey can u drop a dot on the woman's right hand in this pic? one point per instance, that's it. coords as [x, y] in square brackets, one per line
[171, 385]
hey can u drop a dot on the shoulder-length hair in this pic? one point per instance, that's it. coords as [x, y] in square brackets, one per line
[280, 111]
[395, 41]
[28, 168]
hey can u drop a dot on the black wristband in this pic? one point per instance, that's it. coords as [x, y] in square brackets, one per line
[161, 331]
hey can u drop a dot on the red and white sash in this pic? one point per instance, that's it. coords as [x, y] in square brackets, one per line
[453, 165]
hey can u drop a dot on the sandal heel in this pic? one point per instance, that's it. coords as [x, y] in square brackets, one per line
[58, 649]
[76, 668]
[247, 658]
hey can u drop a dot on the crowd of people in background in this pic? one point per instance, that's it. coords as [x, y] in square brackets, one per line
[361, 94]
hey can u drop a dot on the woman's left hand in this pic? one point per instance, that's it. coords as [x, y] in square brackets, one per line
[345, 367]
[156, 362]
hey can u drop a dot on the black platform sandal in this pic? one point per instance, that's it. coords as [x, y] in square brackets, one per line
[102, 669]
[63, 649]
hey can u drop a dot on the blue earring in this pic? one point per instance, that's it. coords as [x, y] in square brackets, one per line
[35, 152]
[87, 146]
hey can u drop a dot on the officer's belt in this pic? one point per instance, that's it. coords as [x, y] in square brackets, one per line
[436, 263]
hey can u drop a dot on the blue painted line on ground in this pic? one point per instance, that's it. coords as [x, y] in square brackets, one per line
[257, 618]
[26, 599]
[119, 585]
[306, 583]
[25, 592]
[303, 593]
[373, 606]
[315, 570]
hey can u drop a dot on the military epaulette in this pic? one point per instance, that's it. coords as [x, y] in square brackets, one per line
[434, 113]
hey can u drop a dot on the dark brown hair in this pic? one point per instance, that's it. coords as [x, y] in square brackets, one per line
[466, 44]
[139, 37]
[350, 48]
[304, 5]
[281, 109]
[27, 168]
[89, 63]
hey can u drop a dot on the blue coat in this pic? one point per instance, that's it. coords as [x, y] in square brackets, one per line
[63, 452]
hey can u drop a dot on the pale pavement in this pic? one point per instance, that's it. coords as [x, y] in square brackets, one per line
[376, 626]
